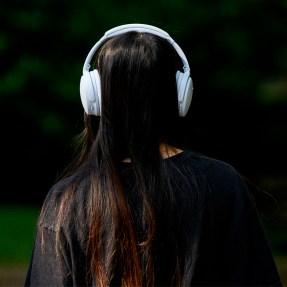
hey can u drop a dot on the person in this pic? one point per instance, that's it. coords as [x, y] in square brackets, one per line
[136, 208]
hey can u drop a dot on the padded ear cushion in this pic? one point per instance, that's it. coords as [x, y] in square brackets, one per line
[184, 91]
[90, 91]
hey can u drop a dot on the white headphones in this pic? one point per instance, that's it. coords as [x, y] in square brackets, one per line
[90, 84]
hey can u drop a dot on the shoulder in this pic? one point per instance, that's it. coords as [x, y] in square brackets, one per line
[207, 165]
[227, 191]
[52, 206]
[220, 176]
[63, 199]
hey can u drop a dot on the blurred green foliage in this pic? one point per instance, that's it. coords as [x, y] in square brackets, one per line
[18, 226]
[235, 47]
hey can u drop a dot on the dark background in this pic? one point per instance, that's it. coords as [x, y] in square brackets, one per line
[237, 51]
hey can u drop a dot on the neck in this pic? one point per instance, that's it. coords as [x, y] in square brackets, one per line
[166, 151]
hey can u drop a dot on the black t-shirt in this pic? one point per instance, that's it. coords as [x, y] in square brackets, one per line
[220, 230]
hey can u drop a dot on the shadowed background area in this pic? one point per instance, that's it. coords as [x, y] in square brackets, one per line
[237, 51]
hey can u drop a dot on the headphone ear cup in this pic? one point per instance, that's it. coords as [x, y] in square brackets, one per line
[90, 91]
[184, 91]
[187, 97]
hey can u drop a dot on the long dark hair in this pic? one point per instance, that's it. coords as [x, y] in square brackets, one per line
[139, 112]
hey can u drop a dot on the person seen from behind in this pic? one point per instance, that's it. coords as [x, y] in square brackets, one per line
[136, 208]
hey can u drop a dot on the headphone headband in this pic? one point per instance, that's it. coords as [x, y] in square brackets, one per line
[90, 85]
[141, 28]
